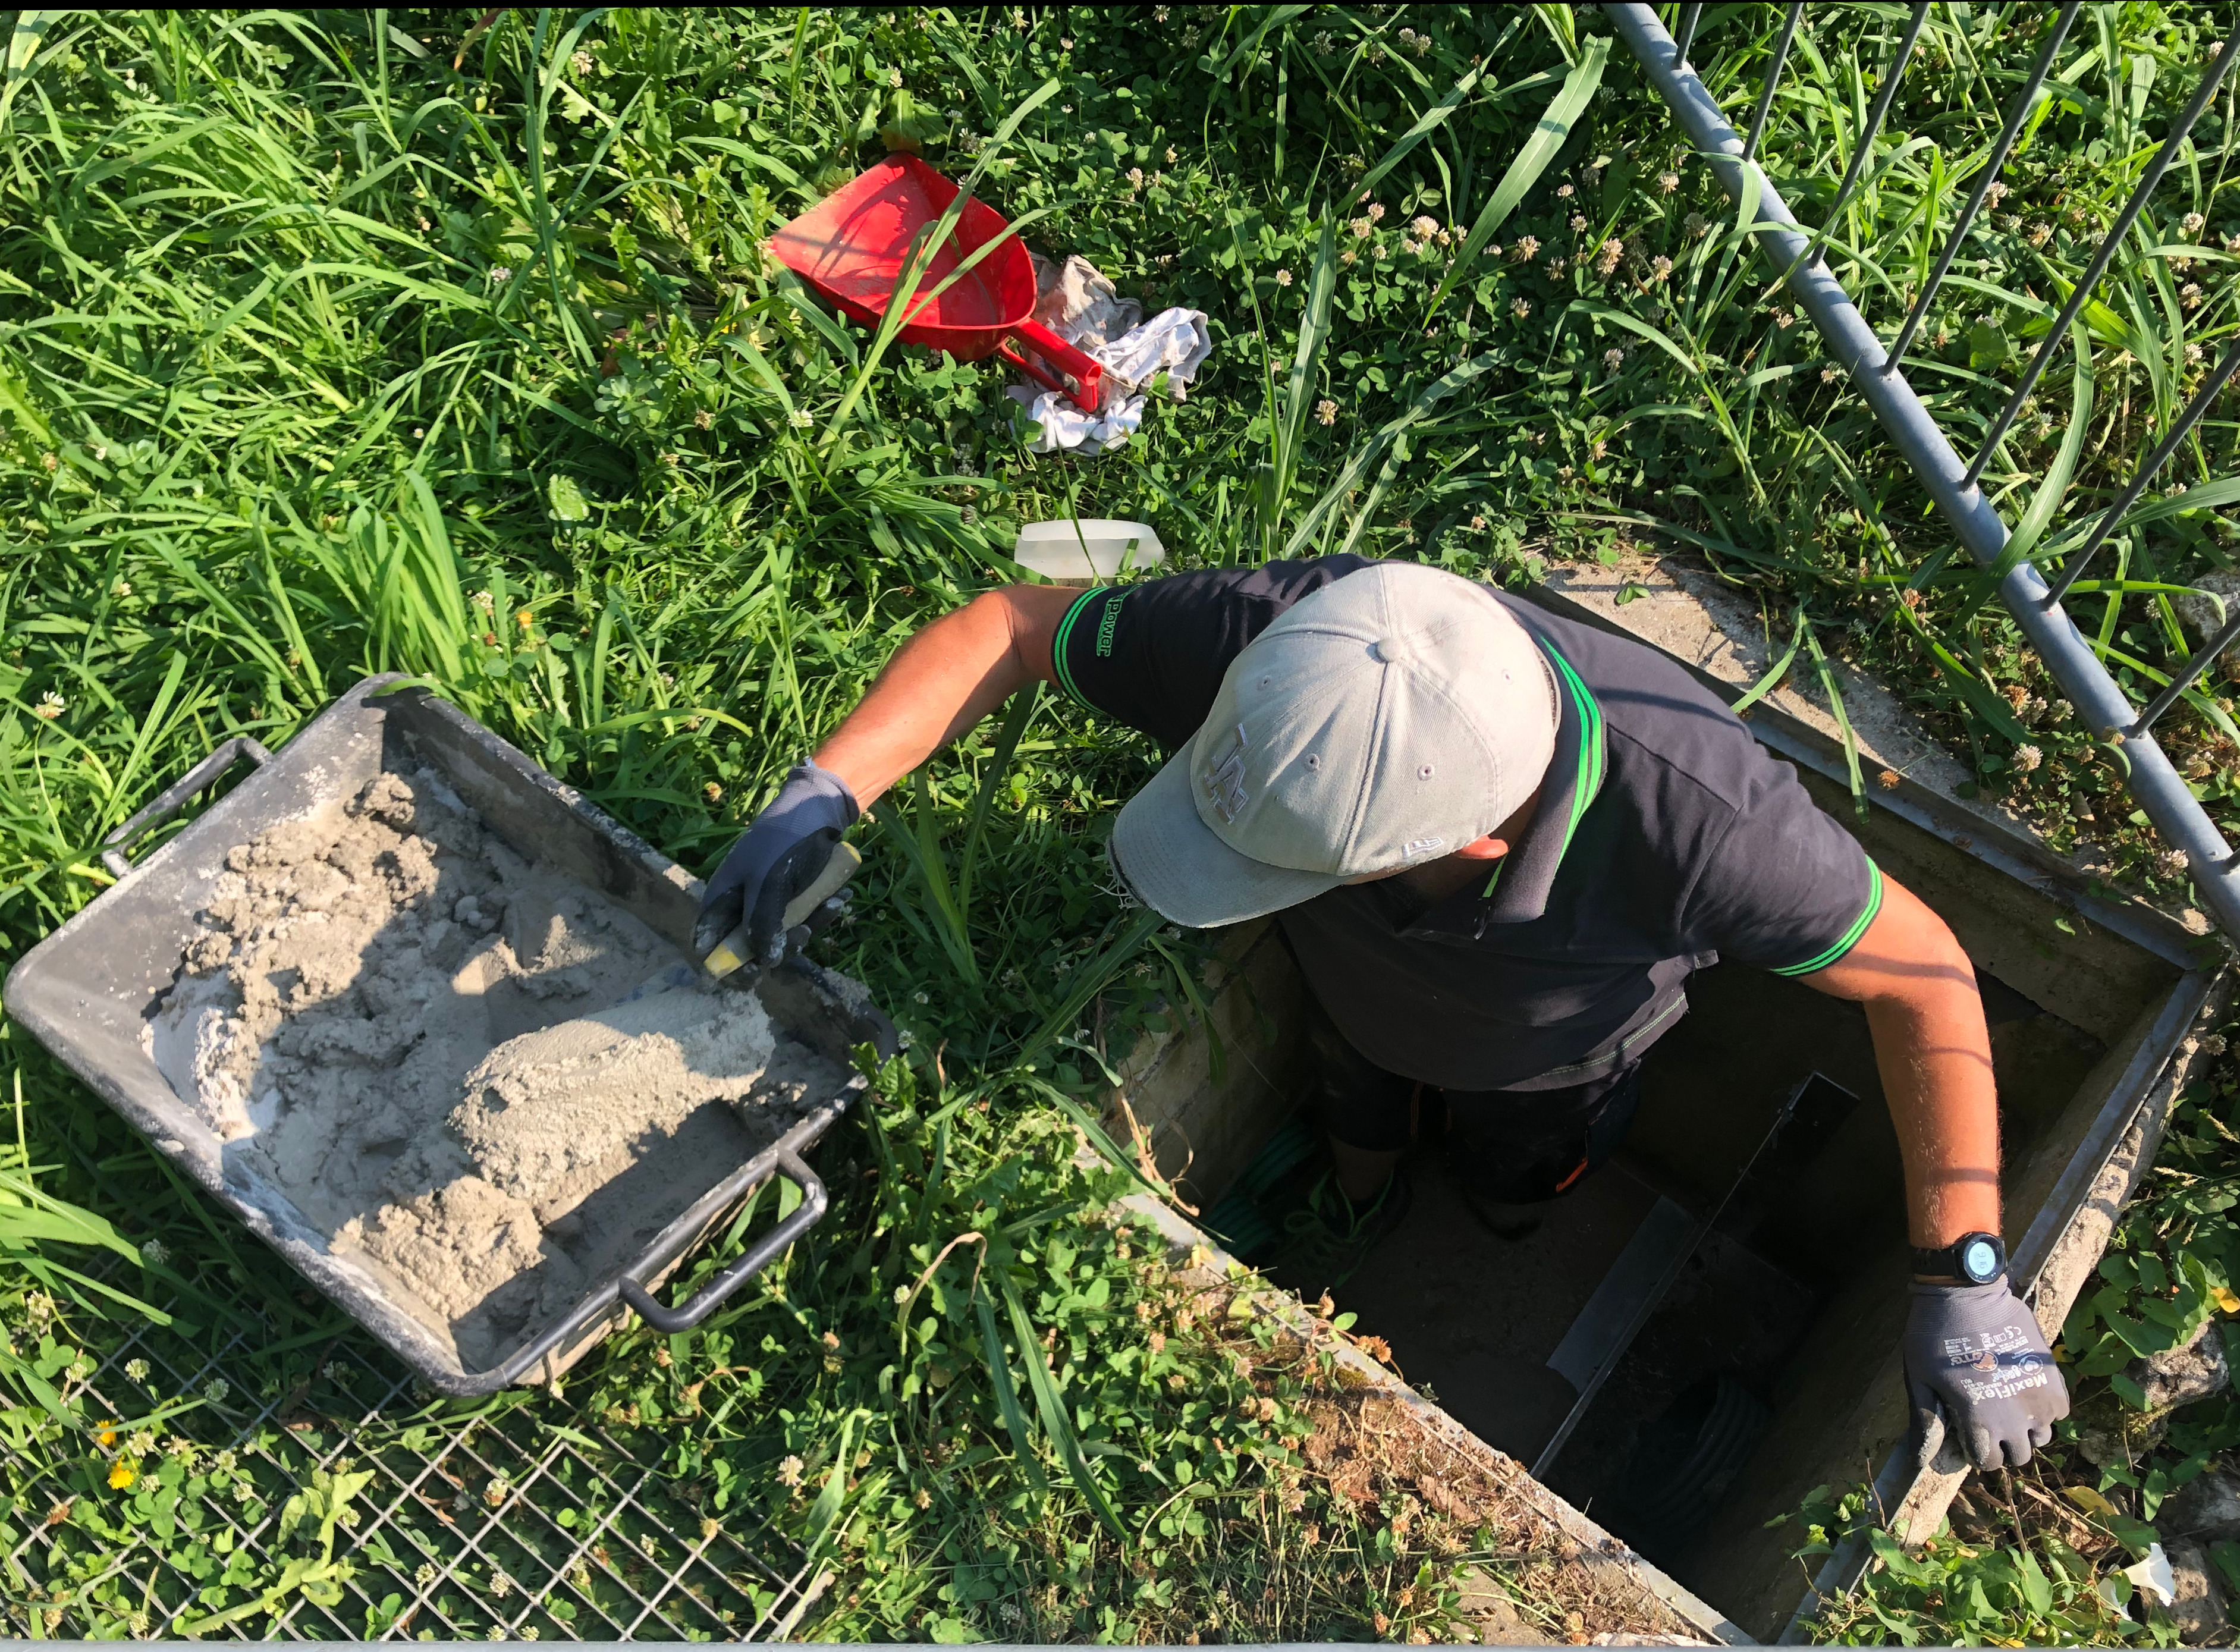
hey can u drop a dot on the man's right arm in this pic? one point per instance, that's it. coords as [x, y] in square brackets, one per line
[943, 681]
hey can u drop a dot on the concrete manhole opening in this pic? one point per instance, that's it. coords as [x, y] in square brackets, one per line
[1721, 1372]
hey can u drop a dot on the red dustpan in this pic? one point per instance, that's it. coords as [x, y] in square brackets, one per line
[852, 245]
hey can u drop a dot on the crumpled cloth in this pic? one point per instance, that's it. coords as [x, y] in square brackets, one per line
[1079, 303]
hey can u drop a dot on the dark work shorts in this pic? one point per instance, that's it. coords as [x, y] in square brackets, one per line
[1517, 1146]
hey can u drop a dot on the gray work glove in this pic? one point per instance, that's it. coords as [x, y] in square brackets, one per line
[777, 857]
[1974, 1354]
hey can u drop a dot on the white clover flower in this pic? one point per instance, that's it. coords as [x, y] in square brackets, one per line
[1407, 245]
[800, 419]
[1578, 224]
[137, 1369]
[1563, 192]
[582, 63]
[789, 1472]
[1360, 227]
[1375, 215]
[1606, 260]
[2028, 759]
[1659, 267]
[1612, 360]
[1282, 277]
[1520, 309]
[1425, 227]
[1668, 182]
[1829, 375]
[1527, 246]
[1326, 411]
[894, 77]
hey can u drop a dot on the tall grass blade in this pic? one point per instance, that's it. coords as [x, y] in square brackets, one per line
[1835, 694]
[1547, 140]
[1013, 729]
[1007, 1392]
[1055, 1423]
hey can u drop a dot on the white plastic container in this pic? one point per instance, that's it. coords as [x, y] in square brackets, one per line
[1084, 552]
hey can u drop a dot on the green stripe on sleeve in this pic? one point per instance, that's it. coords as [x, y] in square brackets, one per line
[1065, 636]
[1592, 760]
[1851, 937]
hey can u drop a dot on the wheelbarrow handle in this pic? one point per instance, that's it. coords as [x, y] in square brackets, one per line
[1078, 376]
[772, 1245]
[174, 797]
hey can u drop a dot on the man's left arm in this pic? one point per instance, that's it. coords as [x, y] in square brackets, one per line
[1973, 1351]
[1934, 1054]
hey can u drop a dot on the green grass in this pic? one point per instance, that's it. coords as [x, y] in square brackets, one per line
[319, 356]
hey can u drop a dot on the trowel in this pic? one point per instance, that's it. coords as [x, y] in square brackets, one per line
[730, 954]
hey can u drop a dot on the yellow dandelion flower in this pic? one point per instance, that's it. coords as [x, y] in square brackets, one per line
[106, 1432]
[122, 1474]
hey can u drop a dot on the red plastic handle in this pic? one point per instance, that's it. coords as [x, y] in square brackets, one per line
[1062, 367]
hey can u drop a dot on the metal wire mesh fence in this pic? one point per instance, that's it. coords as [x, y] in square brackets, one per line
[349, 1504]
[2123, 729]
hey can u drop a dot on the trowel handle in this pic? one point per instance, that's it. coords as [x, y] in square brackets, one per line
[731, 951]
[1080, 378]
[771, 1246]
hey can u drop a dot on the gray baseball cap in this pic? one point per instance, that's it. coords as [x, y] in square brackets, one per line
[1379, 723]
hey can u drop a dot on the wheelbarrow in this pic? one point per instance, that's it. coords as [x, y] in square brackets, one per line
[86, 991]
[852, 247]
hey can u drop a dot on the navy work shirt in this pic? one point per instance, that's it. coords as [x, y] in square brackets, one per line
[1666, 839]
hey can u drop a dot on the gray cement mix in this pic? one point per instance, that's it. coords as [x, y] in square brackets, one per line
[429, 1047]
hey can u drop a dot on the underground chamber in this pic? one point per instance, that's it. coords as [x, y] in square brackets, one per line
[1705, 1329]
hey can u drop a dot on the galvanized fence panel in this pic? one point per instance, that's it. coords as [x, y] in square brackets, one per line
[2123, 730]
[487, 1522]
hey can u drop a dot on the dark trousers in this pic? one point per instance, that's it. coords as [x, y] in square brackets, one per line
[1516, 1147]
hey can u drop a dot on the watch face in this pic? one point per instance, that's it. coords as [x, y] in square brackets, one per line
[1979, 1259]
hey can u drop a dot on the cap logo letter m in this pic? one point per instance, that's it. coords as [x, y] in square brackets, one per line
[1223, 779]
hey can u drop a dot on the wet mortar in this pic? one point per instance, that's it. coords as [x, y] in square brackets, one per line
[486, 1085]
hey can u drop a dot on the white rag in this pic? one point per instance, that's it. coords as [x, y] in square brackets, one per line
[1080, 306]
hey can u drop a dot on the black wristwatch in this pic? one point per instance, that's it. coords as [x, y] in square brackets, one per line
[1973, 1258]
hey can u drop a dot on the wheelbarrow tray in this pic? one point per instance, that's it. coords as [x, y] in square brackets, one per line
[86, 991]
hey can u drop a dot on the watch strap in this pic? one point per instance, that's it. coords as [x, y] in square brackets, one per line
[1944, 1261]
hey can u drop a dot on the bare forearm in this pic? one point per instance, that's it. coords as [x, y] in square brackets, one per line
[1934, 1054]
[939, 684]
[1934, 1059]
